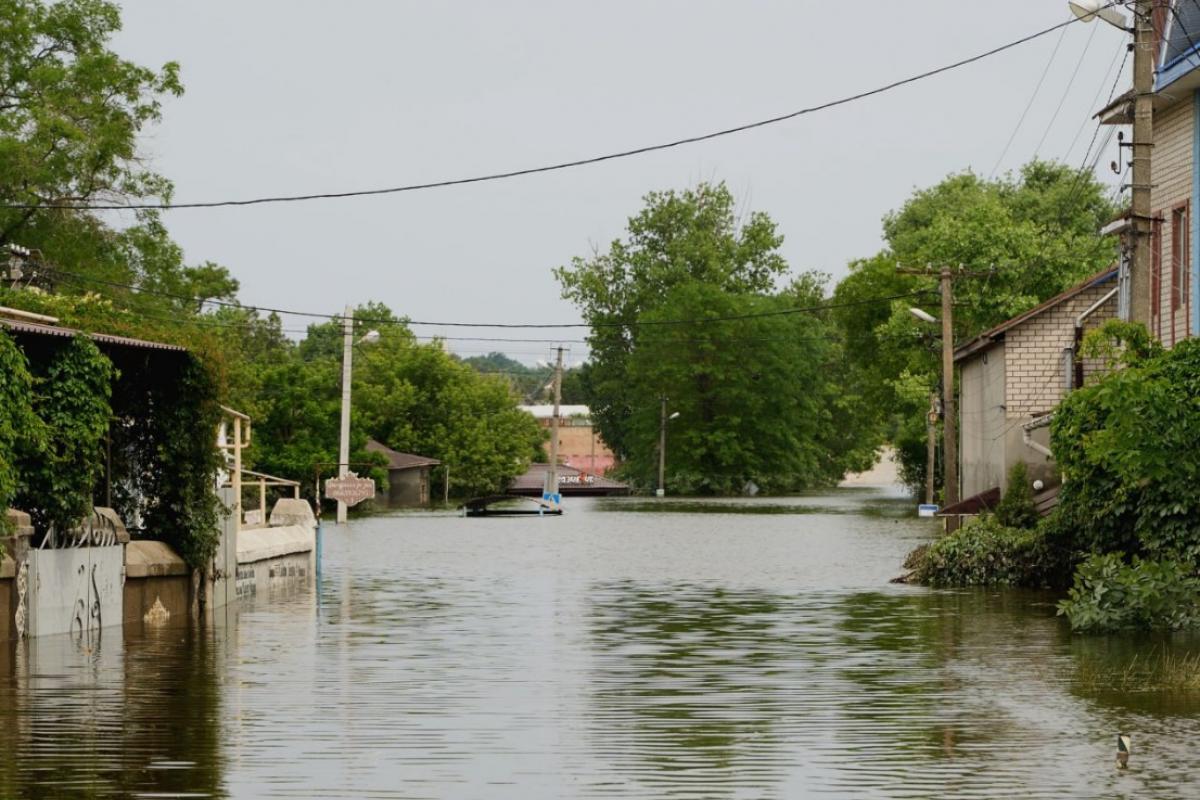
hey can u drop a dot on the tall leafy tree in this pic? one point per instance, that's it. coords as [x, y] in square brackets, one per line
[71, 111]
[1030, 236]
[754, 378]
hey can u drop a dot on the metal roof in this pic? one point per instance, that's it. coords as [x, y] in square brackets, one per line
[398, 460]
[38, 329]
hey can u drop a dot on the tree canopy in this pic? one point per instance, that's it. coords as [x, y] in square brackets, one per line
[689, 307]
[1029, 236]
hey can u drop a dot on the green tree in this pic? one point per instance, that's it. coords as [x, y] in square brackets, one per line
[760, 396]
[71, 111]
[1029, 236]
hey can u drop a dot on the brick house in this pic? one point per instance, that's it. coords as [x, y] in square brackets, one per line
[1175, 262]
[1013, 376]
[579, 444]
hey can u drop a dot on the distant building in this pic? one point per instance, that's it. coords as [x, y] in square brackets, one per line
[571, 482]
[579, 445]
[1015, 374]
[408, 477]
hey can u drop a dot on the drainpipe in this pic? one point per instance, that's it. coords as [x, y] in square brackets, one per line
[1078, 363]
[29, 316]
[1027, 435]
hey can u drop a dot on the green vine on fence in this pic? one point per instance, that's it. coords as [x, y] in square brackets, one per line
[60, 468]
[17, 422]
[163, 447]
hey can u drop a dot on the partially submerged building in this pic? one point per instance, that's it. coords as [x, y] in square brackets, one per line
[408, 477]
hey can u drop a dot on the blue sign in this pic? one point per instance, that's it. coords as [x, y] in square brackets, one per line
[926, 510]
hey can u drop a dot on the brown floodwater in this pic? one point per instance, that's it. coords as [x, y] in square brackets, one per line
[630, 648]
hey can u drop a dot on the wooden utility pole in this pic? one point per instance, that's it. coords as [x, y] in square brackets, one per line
[1143, 144]
[931, 453]
[946, 277]
[552, 473]
[949, 407]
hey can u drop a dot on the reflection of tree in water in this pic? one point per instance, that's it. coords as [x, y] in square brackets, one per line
[684, 684]
[107, 723]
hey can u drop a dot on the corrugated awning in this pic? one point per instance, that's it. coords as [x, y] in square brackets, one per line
[38, 329]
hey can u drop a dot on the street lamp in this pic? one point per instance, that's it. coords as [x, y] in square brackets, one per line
[662, 447]
[347, 362]
[1088, 10]
[924, 316]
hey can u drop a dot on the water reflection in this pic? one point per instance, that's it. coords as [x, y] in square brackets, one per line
[687, 688]
[111, 718]
[603, 655]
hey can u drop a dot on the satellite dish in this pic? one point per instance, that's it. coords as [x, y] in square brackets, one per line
[1088, 10]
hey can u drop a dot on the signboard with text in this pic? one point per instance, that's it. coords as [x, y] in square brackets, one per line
[350, 489]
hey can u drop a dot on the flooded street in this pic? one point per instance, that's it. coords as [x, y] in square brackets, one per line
[726, 649]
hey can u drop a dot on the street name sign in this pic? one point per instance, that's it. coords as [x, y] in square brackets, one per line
[350, 489]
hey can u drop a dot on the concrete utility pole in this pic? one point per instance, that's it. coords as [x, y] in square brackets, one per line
[662, 450]
[552, 473]
[1143, 144]
[949, 408]
[344, 444]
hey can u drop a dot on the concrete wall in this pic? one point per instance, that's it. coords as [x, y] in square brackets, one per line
[983, 421]
[158, 586]
[1174, 132]
[75, 590]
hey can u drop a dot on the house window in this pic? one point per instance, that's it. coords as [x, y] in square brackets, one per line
[1179, 265]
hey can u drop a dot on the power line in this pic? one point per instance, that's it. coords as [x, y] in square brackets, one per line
[1122, 48]
[1029, 105]
[503, 325]
[1067, 91]
[496, 176]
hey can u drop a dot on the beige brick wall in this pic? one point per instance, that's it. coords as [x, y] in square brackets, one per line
[1173, 131]
[1034, 352]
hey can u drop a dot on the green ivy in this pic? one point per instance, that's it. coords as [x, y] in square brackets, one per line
[164, 450]
[59, 470]
[17, 422]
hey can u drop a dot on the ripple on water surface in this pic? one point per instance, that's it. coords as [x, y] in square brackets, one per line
[713, 650]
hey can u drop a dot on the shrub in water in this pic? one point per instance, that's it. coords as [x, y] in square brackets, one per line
[1112, 595]
[1016, 509]
[982, 553]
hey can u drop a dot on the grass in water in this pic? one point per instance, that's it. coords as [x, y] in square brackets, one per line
[1158, 671]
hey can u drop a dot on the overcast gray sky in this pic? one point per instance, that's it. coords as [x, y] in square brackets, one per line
[302, 96]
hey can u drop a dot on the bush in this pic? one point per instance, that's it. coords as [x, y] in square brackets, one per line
[1129, 447]
[17, 423]
[1016, 509]
[982, 553]
[1112, 595]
